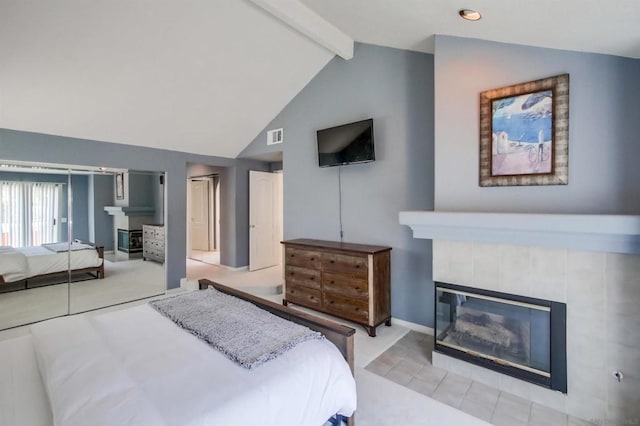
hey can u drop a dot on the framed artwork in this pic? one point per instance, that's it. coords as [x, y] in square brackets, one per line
[119, 186]
[524, 134]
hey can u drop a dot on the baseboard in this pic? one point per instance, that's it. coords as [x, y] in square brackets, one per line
[413, 326]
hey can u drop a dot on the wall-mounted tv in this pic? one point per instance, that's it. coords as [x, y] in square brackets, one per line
[347, 144]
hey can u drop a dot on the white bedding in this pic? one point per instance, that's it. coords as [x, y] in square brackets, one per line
[23, 401]
[136, 367]
[13, 265]
[25, 262]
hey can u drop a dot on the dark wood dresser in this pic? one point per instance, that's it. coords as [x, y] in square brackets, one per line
[349, 281]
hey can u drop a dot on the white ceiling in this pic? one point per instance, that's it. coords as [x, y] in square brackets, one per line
[206, 76]
[600, 26]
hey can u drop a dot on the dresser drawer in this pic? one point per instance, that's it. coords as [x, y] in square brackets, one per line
[346, 307]
[159, 234]
[303, 296]
[345, 285]
[148, 252]
[148, 232]
[301, 276]
[353, 266]
[303, 258]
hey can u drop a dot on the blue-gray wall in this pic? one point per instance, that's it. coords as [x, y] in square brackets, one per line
[395, 88]
[100, 222]
[27, 146]
[603, 127]
[141, 187]
[158, 198]
[80, 209]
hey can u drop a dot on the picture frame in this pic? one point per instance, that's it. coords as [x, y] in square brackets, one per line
[524, 133]
[119, 186]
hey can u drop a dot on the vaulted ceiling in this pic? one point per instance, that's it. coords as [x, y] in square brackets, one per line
[205, 76]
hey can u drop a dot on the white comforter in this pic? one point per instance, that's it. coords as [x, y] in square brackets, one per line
[25, 262]
[135, 367]
[13, 265]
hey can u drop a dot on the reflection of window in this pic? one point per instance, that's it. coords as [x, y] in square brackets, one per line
[28, 213]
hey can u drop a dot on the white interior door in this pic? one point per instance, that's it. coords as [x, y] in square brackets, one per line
[262, 233]
[199, 215]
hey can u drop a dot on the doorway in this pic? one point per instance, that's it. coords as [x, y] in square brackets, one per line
[203, 205]
[265, 219]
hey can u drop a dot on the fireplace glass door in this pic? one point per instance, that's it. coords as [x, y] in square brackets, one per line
[505, 332]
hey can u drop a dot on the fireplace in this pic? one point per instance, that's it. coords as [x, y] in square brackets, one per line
[129, 241]
[515, 335]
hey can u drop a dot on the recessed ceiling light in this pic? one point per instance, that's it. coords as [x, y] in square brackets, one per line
[469, 14]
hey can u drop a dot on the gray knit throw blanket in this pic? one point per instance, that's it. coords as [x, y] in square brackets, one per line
[244, 333]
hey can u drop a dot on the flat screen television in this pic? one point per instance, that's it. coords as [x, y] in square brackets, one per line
[347, 144]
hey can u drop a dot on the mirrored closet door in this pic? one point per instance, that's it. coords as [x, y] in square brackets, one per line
[126, 218]
[75, 239]
[34, 235]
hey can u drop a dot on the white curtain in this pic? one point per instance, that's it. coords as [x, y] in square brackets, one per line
[28, 213]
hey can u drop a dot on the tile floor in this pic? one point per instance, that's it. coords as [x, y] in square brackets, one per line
[408, 363]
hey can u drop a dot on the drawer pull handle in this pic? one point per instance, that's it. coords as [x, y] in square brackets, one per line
[357, 266]
[293, 255]
[312, 278]
[332, 261]
[331, 302]
[312, 259]
[291, 273]
[311, 297]
[333, 282]
[293, 291]
[357, 309]
[357, 288]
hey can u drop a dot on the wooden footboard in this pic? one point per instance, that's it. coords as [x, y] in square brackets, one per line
[101, 256]
[339, 335]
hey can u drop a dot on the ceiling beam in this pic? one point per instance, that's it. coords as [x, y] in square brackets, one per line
[297, 15]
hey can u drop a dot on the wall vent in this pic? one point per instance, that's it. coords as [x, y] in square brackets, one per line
[275, 136]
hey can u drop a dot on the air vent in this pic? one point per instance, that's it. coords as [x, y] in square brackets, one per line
[275, 136]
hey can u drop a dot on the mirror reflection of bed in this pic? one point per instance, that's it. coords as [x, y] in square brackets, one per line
[43, 207]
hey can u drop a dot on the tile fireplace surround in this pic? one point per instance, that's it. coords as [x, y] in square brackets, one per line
[589, 262]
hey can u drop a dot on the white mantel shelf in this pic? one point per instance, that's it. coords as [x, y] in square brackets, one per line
[606, 233]
[129, 211]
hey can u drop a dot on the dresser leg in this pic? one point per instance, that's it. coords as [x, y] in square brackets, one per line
[388, 322]
[370, 330]
[284, 302]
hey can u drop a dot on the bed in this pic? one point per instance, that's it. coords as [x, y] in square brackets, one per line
[135, 366]
[25, 267]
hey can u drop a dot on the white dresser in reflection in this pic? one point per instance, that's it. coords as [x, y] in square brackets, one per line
[153, 242]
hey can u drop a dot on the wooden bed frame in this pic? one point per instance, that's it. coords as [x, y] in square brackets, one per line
[97, 270]
[339, 335]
